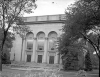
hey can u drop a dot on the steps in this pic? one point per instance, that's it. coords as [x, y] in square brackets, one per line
[31, 65]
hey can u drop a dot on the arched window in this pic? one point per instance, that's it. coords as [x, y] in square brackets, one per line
[29, 38]
[52, 40]
[40, 41]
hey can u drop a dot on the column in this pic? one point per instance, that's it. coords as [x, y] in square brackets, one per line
[24, 48]
[60, 59]
[57, 57]
[45, 50]
[57, 53]
[34, 50]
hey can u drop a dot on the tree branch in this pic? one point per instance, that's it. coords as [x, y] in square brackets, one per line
[94, 45]
[98, 42]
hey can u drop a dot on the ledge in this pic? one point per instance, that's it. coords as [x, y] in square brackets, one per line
[28, 50]
[40, 50]
[42, 22]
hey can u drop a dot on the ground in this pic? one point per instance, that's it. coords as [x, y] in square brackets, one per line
[12, 72]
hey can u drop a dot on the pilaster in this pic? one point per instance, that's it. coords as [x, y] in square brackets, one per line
[57, 58]
[24, 48]
[34, 50]
[45, 50]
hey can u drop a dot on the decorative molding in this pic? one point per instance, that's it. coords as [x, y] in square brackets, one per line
[24, 38]
[28, 50]
[46, 38]
[36, 18]
[47, 18]
[43, 22]
[40, 50]
[30, 53]
[58, 18]
[35, 38]
[52, 54]
[52, 51]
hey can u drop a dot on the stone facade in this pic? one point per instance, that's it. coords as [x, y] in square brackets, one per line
[39, 45]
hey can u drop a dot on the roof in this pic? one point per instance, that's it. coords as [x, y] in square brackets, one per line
[45, 19]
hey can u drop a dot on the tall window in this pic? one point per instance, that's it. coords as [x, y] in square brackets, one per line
[29, 38]
[52, 40]
[52, 43]
[40, 41]
[40, 45]
[30, 44]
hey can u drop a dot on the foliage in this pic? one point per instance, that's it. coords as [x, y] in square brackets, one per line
[71, 51]
[11, 12]
[8, 42]
[95, 61]
[7, 46]
[29, 73]
[82, 22]
[82, 27]
[81, 73]
[71, 61]
[88, 63]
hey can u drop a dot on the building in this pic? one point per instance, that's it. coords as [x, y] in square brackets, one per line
[39, 45]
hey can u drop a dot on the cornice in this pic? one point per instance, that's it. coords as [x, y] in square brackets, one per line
[42, 22]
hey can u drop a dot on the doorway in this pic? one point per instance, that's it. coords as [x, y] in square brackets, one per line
[51, 59]
[39, 59]
[28, 58]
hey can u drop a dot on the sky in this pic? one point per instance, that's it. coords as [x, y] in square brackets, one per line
[50, 7]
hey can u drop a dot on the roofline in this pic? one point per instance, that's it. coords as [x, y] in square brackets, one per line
[42, 15]
[45, 19]
[43, 22]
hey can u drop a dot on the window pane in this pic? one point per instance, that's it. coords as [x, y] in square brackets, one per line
[52, 45]
[30, 45]
[40, 45]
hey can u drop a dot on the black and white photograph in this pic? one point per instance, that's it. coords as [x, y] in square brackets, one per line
[49, 38]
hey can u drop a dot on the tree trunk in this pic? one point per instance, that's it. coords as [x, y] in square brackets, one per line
[96, 49]
[21, 49]
[0, 61]
[3, 40]
[94, 45]
[1, 49]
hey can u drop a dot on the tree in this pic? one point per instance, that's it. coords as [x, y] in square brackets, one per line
[95, 61]
[88, 63]
[82, 27]
[70, 61]
[83, 21]
[75, 48]
[11, 12]
[8, 42]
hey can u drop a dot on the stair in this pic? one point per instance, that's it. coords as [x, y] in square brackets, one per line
[34, 65]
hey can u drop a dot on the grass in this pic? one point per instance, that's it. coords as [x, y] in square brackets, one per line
[7, 72]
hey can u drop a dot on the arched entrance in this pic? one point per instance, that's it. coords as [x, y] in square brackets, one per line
[52, 39]
[29, 46]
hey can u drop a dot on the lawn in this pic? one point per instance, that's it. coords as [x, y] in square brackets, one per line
[7, 72]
